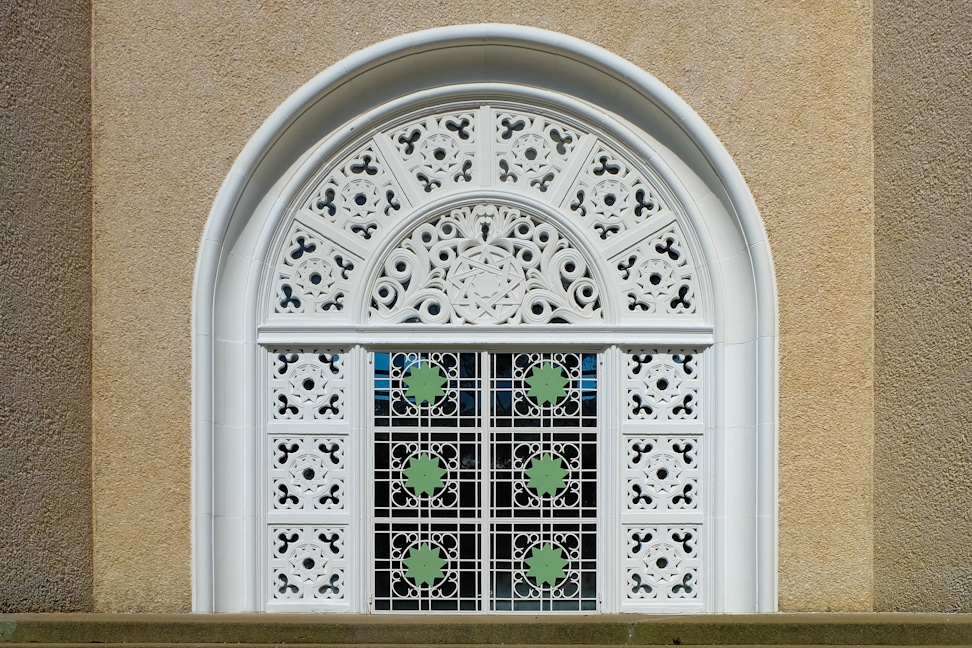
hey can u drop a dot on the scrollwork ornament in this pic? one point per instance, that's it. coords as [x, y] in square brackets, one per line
[485, 264]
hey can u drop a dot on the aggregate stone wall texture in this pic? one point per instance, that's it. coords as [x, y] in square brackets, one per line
[923, 260]
[179, 87]
[45, 289]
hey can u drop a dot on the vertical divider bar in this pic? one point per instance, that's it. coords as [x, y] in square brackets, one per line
[485, 129]
[610, 479]
[485, 477]
[262, 433]
[486, 162]
[713, 457]
[254, 507]
[362, 521]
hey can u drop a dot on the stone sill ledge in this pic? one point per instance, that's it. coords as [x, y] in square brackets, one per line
[146, 630]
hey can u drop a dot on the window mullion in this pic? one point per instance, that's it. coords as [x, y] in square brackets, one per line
[485, 476]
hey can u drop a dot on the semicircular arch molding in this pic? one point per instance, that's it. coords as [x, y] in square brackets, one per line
[472, 178]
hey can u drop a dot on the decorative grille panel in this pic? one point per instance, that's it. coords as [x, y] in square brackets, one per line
[455, 485]
[532, 151]
[662, 515]
[439, 152]
[663, 386]
[656, 275]
[663, 473]
[359, 196]
[500, 480]
[611, 196]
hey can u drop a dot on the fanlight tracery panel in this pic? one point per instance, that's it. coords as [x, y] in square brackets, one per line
[488, 262]
[485, 264]
[474, 216]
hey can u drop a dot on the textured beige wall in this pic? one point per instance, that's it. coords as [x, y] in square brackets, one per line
[179, 87]
[45, 317]
[923, 258]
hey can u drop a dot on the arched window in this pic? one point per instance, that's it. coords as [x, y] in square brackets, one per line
[483, 324]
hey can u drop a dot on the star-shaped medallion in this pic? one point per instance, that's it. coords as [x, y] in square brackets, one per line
[424, 473]
[546, 474]
[424, 382]
[546, 564]
[547, 383]
[424, 564]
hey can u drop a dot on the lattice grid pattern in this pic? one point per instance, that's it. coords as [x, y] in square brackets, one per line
[427, 388]
[431, 465]
[544, 390]
[427, 473]
[544, 473]
[543, 567]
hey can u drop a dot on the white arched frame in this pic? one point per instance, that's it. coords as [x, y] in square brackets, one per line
[480, 63]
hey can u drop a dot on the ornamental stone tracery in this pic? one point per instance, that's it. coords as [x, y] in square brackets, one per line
[486, 265]
[482, 215]
[523, 267]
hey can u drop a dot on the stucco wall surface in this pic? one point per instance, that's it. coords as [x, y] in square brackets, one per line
[45, 289]
[179, 87]
[923, 257]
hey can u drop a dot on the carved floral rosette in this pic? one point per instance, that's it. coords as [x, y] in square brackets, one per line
[485, 264]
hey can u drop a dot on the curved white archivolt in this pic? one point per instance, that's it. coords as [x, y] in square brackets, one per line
[467, 187]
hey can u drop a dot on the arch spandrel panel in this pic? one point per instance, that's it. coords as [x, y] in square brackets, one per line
[616, 207]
